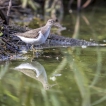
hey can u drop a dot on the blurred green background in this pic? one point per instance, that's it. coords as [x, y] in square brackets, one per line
[75, 75]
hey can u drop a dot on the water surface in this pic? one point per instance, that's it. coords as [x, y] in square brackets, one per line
[61, 76]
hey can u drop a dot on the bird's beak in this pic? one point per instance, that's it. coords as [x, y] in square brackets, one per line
[57, 24]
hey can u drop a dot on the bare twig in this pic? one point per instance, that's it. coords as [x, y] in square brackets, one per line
[9, 7]
[86, 3]
[3, 17]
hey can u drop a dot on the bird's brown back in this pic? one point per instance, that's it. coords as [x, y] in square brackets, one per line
[33, 33]
[30, 34]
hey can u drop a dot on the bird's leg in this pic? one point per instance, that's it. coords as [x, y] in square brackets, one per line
[27, 45]
[33, 51]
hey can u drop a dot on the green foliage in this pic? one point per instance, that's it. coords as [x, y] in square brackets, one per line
[82, 70]
[31, 3]
[1, 33]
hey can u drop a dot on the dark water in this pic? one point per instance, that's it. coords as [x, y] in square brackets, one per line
[74, 76]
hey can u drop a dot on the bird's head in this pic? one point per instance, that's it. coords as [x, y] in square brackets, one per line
[54, 22]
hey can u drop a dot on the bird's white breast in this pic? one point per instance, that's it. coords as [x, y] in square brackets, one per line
[27, 40]
[30, 67]
[47, 33]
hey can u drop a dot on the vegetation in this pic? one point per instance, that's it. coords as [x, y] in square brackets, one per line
[78, 74]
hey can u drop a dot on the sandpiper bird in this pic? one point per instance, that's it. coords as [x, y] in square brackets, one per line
[39, 35]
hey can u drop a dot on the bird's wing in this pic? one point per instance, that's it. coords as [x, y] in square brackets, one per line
[30, 34]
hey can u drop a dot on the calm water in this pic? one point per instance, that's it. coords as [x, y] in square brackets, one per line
[72, 76]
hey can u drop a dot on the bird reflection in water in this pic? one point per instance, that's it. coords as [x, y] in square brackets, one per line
[35, 70]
